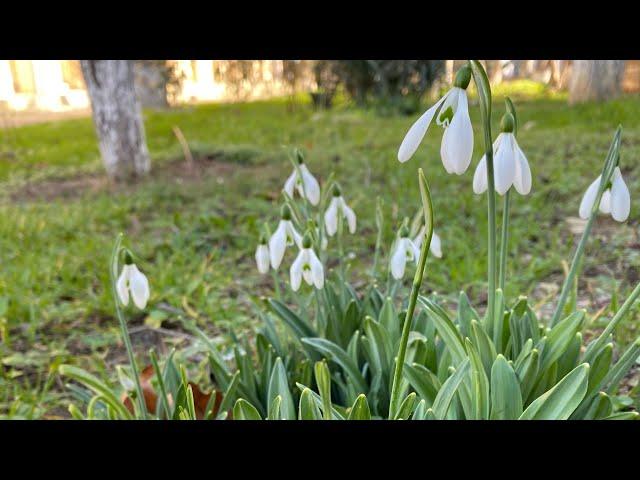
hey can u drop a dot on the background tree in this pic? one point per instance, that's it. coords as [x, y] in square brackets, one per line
[595, 80]
[117, 117]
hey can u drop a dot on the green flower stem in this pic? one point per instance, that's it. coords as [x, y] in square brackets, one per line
[504, 240]
[276, 283]
[123, 326]
[394, 404]
[491, 226]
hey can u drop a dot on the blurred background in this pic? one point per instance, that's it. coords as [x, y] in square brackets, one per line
[188, 158]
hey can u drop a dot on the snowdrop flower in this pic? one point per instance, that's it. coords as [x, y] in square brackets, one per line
[331, 215]
[435, 247]
[132, 280]
[304, 182]
[615, 199]
[284, 236]
[452, 113]
[262, 256]
[510, 166]
[405, 250]
[308, 266]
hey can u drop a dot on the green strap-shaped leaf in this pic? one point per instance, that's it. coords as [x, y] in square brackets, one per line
[274, 408]
[335, 414]
[307, 408]
[420, 412]
[423, 381]
[243, 410]
[339, 356]
[560, 402]
[622, 366]
[506, 397]
[279, 387]
[485, 346]
[388, 318]
[446, 329]
[479, 382]
[449, 388]
[601, 407]
[466, 313]
[298, 326]
[96, 385]
[406, 407]
[624, 416]
[360, 409]
[559, 338]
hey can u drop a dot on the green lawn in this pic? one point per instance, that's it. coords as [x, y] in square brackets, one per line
[196, 234]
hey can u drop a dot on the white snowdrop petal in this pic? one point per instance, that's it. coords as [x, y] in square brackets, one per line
[139, 286]
[605, 202]
[290, 183]
[350, 216]
[589, 198]
[262, 258]
[415, 251]
[122, 285]
[295, 272]
[620, 198]
[311, 185]
[480, 177]
[435, 247]
[504, 168]
[331, 218]
[317, 270]
[522, 179]
[277, 245]
[416, 133]
[458, 138]
[418, 240]
[450, 100]
[398, 261]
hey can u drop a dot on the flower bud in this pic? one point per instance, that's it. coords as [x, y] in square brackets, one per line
[285, 212]
[507, 123]
[463, 77]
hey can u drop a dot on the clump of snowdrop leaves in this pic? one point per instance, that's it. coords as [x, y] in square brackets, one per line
[303, 182]
[452, 113]
[284, 236]
[510, 164]
[615, 199]
[307, 266]
[263, 258]
[338, 207]
[132, 280]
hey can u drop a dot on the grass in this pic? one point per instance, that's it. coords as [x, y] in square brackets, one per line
[195, 235]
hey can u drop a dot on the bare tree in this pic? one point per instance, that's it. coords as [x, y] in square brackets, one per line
[117, 117]
[595, 80]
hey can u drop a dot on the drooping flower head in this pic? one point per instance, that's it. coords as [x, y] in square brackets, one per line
[510, 166]
[338, 206]
[284, 236]
[262, 255]
[405, 250]
[307, 266]
[435, 247]
[452, 113]
[303, 182]
[615, 199]
[132, 280]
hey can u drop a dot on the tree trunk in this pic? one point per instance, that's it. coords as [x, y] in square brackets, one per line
[151, 78]
[117, 117]
[595, 80]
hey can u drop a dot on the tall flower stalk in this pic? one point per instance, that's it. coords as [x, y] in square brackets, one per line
[427, 208]
[115, 255]
[484, 94]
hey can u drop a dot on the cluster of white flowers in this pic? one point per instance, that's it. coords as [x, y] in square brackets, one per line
[307, 265]
[511, 167]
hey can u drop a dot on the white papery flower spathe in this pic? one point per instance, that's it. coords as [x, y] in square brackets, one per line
[284, 236]
[263, 258]
[457, 141]
[305, 183]
[510, 167]
[615, 199]
[132, 280]
[404, 251]
[435, 247]
[336, 206]
[307, 266]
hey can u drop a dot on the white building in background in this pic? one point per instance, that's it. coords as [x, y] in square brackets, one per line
[58, 85]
